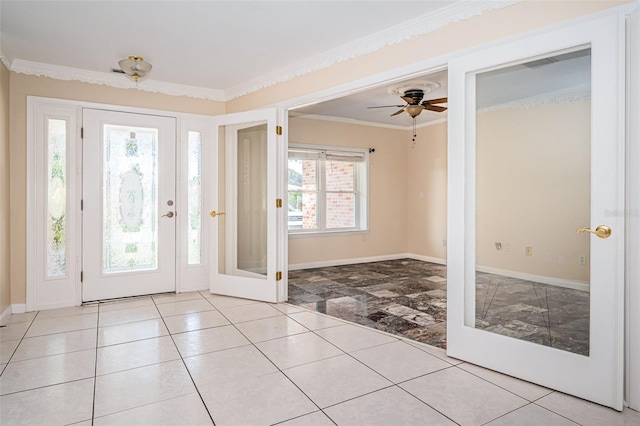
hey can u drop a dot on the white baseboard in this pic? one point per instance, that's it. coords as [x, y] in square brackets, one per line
[4, 316]
[573, 284]
[558, 282]
[18, 308]
[340, 262]
[437, 260]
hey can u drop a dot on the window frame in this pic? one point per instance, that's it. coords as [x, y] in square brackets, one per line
[361, 192]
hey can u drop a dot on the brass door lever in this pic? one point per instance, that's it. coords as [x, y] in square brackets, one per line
[214, 214]
[602, 231]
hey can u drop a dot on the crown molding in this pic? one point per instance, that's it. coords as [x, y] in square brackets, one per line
[113, 80]
[344, 120]
[458, 11]
[573, 94]
[5, 61]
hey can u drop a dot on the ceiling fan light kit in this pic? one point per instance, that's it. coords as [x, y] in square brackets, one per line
[413, 93]
[135, 67]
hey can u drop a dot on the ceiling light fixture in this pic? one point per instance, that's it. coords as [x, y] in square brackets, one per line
[135, 67]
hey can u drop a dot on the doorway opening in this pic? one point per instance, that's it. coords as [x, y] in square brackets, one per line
[392, 276]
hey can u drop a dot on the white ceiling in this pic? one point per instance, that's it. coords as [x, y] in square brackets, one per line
[225, 47]
[208, 44]
[356, 107]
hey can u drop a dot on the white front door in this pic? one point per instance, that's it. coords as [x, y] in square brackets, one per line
[245, 218]
[536, 162]
[129, 211]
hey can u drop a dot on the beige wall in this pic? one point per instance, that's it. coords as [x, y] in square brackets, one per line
[533, 174]
[387, 195]
[533, 189]
[427, 174]
[5, 286]
[22, 86]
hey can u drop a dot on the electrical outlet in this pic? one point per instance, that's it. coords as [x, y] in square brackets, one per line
[498, 246]
[582, 260]
[528, 251]
[507, 247]
[444, 243]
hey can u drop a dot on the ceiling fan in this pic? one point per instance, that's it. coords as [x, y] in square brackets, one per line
[415, 105]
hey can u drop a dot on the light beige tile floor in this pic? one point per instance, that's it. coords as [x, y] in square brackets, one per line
[196, 359]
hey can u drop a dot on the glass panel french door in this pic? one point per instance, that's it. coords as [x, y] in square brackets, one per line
[243, 206]
[535, 260]
[128, 204]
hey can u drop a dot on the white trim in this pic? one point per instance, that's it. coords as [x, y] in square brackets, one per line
[4, 317]
[352, 261]
[632, 214]
[457, 11]
[576, 285]
[18, 308]
[344, 120]
[114, 80]
[558, 282]
[438, 260]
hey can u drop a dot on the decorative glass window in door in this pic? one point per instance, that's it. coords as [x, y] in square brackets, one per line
[130, 208]
[195, 198]
[56, 198]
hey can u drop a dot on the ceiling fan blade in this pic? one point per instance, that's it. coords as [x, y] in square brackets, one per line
[435, 101]
[434, 108]
[409, 100]
[386, 106]
[397, 112]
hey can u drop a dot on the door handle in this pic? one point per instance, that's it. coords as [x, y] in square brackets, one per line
[602, 231]
[214, 214]
[169, 215]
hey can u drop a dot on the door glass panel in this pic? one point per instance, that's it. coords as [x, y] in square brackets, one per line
[242, 201]
[533, 139]
[130, 208]
[252, 199]
[195, 198]
[56, 198]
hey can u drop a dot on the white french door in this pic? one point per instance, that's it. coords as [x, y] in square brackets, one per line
[245, 218]
[129, 211]
[536, 162]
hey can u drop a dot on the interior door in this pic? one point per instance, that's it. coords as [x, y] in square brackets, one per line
[244, 207]
[129, 206]
[536, 223]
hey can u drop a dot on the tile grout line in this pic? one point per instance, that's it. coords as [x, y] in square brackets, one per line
[184, 363]
[269, 359]
[19, 343]
[95, 369]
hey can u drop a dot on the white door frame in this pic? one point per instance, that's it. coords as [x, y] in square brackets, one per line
[439, 63]
[69, 291]
[632, 213]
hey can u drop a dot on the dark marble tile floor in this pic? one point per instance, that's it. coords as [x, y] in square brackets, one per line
[409, 298]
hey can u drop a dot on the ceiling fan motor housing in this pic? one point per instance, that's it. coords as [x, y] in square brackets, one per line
[415, 94]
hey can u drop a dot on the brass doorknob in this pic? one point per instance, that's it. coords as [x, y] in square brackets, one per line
[214, 214]
[602, 231]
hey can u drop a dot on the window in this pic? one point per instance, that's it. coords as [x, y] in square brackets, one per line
[327, 190]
